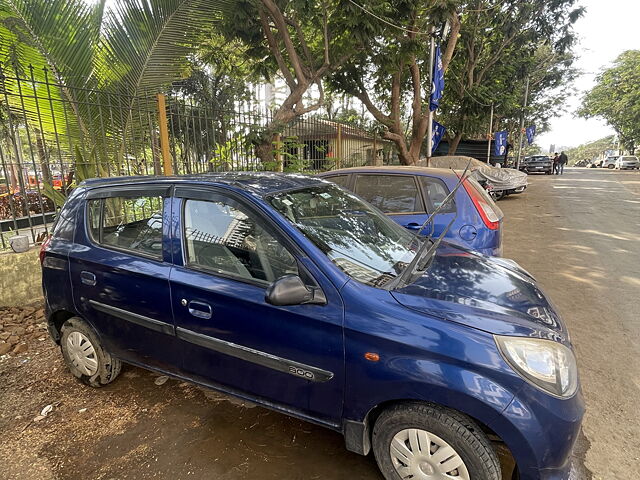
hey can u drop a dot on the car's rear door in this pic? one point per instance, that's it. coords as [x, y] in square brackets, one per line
[407, 199]
[119, 267]
[291, 356]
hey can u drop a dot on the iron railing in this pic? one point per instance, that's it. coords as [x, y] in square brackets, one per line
[53, 135]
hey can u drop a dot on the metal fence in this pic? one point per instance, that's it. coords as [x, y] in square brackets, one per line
[52, 136]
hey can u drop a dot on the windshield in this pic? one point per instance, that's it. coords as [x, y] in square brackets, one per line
[358, 238]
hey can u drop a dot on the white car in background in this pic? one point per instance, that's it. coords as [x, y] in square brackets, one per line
[609, 162]
[627, 162]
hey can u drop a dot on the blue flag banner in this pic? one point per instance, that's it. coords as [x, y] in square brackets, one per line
[437, 88]
[500, 144]
[531, 133]
[436, 136]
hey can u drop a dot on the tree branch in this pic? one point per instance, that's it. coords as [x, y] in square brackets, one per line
[281, 25]
[275, 50]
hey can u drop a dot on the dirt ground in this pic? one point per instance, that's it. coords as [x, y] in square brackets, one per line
[578, 234]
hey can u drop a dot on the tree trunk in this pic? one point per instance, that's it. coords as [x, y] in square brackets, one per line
[453, 146]
[43, 158]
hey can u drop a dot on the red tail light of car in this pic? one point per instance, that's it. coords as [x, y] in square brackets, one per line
[487, 210]
[44, 247]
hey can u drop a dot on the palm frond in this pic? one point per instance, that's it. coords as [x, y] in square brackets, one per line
[146, 42]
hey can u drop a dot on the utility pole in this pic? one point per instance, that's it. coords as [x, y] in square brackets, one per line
[489, 135]
[432, 52]
[526, 98]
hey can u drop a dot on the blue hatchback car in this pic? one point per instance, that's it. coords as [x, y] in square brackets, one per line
[408, 195]
[294, 293]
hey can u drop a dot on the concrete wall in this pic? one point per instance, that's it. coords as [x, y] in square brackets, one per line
[19, 278]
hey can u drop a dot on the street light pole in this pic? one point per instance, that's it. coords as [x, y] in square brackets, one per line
[432, 52]
[526, 97]
[489, 134]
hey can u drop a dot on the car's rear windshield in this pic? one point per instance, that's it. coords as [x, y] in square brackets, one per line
[355, 236]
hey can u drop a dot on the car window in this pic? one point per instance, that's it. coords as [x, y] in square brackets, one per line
[436, 191]
[390, 193]
[342, 180]
[226, 238]
[128, 223]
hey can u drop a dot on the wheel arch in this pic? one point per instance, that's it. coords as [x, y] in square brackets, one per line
[55, 322]
[358, 434]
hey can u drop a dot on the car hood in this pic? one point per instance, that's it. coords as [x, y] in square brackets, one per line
[488, 293]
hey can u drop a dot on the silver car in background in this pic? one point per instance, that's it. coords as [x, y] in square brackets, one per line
[627, 162]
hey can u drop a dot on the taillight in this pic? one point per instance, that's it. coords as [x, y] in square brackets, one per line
[489, 216]
[44, 247]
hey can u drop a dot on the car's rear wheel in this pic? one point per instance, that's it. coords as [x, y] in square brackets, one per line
[426, 442]
[85, 356]
[611, 167]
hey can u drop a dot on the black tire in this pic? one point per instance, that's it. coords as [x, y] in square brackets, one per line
[498, 195]
[611, 167]
[108, 366]
[458, 430]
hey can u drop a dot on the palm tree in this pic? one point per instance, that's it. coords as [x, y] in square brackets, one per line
[85, 51]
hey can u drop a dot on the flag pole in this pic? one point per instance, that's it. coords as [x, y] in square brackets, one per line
[526, 97]
[432, 52]
[489, 135]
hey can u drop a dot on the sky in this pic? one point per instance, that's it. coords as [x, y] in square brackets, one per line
[608, 28]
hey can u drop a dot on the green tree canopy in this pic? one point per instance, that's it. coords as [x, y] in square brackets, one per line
[591, 150]
[390, 75]
[616, 98]
[501, 44]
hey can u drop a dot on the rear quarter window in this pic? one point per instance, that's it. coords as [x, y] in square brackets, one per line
[436, 191]
[341, 180]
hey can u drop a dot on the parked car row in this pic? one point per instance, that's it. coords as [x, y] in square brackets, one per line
[296, 294]
[619, 162]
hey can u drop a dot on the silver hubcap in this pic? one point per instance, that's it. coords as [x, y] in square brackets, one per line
[82, 354]
[421, 455]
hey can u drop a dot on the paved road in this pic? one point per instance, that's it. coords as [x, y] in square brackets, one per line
[579, 234]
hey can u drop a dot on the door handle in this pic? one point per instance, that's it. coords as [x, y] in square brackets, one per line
[413, 226]
[88, 278]
[200, 309]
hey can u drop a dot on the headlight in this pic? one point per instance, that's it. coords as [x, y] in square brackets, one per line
[546, 364]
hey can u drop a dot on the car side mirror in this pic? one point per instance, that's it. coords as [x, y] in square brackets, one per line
[291, 290]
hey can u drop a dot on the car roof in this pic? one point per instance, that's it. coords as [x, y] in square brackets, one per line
[438, 172]
[260, 183]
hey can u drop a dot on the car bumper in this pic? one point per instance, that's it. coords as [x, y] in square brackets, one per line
[545, 431]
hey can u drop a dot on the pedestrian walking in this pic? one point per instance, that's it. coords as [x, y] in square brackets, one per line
[555, 163]
[562, 159]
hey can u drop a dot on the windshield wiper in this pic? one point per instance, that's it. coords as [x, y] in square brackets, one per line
[445, 201]
[423, 252]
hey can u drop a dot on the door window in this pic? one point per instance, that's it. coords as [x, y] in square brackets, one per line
[226, 238]
[128, 223]
[436, 191]
[390, 193]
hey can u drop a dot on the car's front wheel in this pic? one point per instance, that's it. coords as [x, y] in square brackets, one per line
[85, 356]
[426, 442]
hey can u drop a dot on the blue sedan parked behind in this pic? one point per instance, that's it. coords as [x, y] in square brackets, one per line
[409, 194]
[296, 294]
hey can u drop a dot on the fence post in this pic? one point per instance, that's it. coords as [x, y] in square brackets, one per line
[339, 147]
[164, 135]
[279, 146]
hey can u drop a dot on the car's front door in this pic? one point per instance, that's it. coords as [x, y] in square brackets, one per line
[292, 356]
